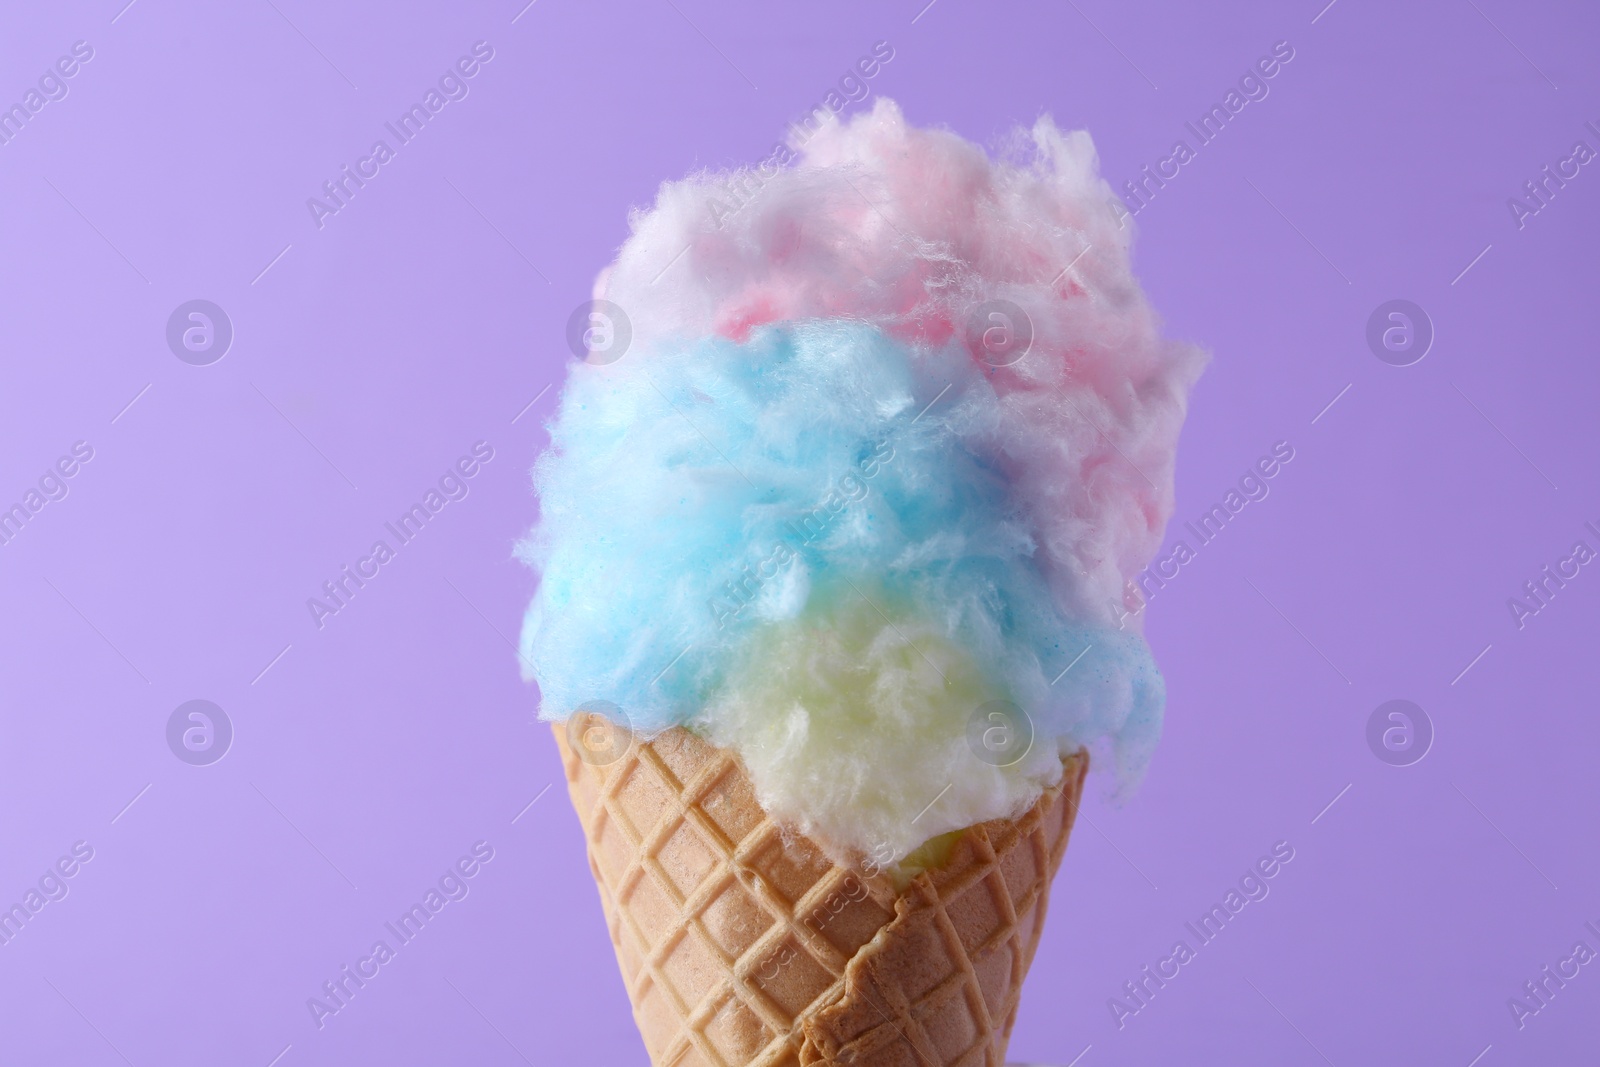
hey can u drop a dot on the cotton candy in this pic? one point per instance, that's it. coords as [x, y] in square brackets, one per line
[893, 430]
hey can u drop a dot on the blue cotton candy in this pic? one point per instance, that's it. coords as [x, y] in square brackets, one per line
[726, 487]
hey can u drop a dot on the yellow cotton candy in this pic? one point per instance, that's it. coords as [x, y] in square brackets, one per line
[852, 718]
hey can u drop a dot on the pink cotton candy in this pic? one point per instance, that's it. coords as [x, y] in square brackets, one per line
[911, 230]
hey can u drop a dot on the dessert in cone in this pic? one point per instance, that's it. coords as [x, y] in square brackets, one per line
[743, 945]
[841, 516]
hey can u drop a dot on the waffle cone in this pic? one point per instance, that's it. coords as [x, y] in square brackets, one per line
[744, 945]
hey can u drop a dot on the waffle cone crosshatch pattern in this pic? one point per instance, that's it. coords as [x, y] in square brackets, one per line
[741, 945]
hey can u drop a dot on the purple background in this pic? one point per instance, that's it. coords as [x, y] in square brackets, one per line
[430, 312]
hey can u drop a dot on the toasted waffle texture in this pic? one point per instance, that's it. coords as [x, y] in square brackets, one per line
[742, 944]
